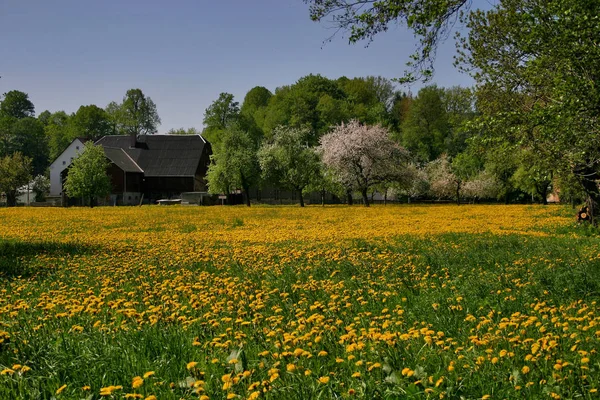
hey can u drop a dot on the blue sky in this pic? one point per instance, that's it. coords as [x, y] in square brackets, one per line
[182, 53]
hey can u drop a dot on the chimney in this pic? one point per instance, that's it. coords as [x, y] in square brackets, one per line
[133, 140]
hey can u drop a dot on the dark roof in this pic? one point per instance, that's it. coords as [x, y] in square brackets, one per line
[161, 155]
[121, 159]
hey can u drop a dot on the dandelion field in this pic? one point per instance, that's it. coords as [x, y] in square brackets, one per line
[473, 302]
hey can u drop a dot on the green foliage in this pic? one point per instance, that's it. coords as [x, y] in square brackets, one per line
[535, 63]
[136, 115]
[426, 126]
[15, 171]
[219, 116]
[16, 104]
[90, 122]
[183, 131]
[234, 163]
[58, 133]
[87, 176]
[26, 135]
[287, 159]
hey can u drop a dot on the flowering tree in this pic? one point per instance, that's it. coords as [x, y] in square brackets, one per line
[363, 156]
[444, 182]
[483, 186]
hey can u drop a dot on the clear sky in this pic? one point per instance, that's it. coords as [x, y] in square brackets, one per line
[181, 53]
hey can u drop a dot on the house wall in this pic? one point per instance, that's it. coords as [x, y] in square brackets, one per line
[60, 164]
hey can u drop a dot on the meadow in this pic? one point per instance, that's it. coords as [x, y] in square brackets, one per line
[394, 302]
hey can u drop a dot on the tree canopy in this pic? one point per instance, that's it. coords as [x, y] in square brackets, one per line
[15, 171]
[87, 178]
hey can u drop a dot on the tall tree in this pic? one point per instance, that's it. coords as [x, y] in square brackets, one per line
[87, 178]
[58, 133]
[91, 122]
[426, 126]
[17, 105]
[363, 156]
[234, 163]
[287, 159]
[15, 171]
[537, 68]
[29, 138]
[220, 115]
[138, 114]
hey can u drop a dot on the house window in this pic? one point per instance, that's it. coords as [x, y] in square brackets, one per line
[76, 147]
[64, 163]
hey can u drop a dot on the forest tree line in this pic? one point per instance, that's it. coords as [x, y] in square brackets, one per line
[449, 155]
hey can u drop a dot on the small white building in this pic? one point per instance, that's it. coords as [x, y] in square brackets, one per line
[61, 163]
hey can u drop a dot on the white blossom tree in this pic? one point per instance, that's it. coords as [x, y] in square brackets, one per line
[444, 182]
[363, 156]
[483, 186]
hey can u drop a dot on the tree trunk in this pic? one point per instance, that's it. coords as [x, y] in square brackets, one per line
[349, 194]
[11, 198]
[301, 198]
[365, 197]
[458, 193]
[247, 195]
[323, 198]
[91, 202]
[385, 197]
[588, 177]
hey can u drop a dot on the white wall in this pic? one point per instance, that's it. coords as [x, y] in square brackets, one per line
[61, 163]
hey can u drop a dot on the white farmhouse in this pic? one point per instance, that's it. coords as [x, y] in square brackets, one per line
[61, 163]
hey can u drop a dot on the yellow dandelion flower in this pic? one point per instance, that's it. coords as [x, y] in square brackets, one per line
[191, 364]
[324, 380]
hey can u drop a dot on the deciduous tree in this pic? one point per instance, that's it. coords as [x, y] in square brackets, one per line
[234, 163]
[364, 156]
[15, 171]
[288, 160]
[16, 104]
[87, 178]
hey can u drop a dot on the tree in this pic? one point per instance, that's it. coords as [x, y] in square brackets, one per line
[364, 156]
[58, 133]
[28, 138]
[17, 105]
[91, 122]
[314, 102]
[430, 21]
[287, 159]
[537, 68]
[15, 171]
[444, 182]
[426, 126]
[41, 187]
[138, 115]
[114, 112]
[183, 131]
[87, 178]
[234, 163]
[220, 115]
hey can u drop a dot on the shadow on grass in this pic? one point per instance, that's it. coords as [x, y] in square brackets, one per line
[28, 259]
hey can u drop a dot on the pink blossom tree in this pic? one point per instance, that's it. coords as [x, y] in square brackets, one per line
[363, 156]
